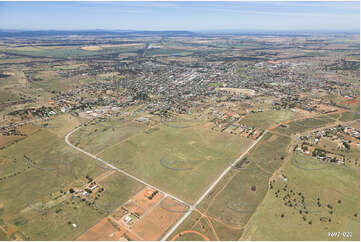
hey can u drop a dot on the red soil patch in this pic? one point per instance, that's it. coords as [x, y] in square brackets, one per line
[274, 62]
[140, 203]
[119, 213]
[105, 230]
[153, 225]
[153, 220]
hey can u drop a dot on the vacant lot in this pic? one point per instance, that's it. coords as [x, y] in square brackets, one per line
[303, 125]
[271, 151]
[349, 116]
[267, 119]
[98, 136]
[230, 205]
[234, 203]
[191, 155]
[60, 125]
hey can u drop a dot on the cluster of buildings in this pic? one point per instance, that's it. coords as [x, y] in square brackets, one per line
[237, 129]
[340, 137]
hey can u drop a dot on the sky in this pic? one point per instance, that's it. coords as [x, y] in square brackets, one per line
[193, 16]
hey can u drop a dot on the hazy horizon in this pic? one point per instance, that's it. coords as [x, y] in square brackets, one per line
[182, 16]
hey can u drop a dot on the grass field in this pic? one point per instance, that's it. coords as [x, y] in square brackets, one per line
[349, 116]
[51, 81]
[61, 124]
[329, 183]
[190, 237]
[166, 52]
[356, 124]
[235, 198]
[6, 96]
[229, 205]
[271, 151]
[96, 137]
[57, 167]
[267, 119]
[237, 201]
[334, 115]
[192, 155]
[54, 223]
[118, 189]
[303, 125]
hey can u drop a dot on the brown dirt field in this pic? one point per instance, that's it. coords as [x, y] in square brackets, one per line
[118, 214]
[153, 225]
[140, 203]
[4, 140]
[28, 129]
[326, 108]
[105, 230]
[274, 62]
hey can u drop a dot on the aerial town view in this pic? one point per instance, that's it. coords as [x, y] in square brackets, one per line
[180, 121]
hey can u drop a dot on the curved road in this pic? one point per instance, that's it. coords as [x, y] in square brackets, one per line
[115, 168]
[179, 222]
[190, 232]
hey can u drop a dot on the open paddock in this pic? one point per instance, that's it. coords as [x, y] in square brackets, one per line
[97, 136]
[266, 119]
[270, 152]
[205, 154]
[303, 125]
[336, 189]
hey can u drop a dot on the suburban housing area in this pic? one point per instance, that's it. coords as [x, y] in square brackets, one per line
[178, 136]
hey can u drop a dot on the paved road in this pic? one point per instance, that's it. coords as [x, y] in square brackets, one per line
[175, 226]
[117, 169]
[192, 207]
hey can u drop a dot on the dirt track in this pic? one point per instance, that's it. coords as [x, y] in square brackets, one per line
[190, 232]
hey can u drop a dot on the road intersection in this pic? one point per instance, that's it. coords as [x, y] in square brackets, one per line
[191, 207]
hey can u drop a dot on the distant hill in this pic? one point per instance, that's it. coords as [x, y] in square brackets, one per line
[40, 33]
